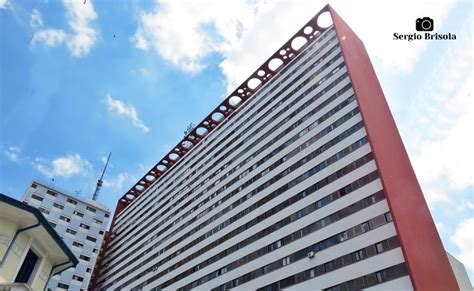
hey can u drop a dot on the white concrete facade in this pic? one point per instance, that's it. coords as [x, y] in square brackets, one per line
[80, 223]
[288, 134]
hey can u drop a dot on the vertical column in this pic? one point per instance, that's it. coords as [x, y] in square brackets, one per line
[426, 258]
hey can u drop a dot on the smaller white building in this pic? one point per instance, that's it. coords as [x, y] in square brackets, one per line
[80, 223]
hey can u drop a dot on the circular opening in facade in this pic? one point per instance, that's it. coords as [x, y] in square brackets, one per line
[187, 144]
[150, 178]
[234, 101]
[254, 83]
[307, 30]
[217, 116]
[298, 42]
[173, 157]
[161, 168]
[201, 131]
[274, 64]
[324, 19]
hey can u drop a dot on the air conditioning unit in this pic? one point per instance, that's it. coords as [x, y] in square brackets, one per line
[311, 255]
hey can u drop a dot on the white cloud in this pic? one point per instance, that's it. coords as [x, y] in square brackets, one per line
[464, 240]
[50, 37]
[3, 4]
[67, 166]
[442, 118]
[182, 36]
[435, 196]
[35, 19]
[245, 33]
[130, 112]
[79, 17]
[13, 153]
[118, 181]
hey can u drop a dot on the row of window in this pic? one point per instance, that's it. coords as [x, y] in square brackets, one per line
[282, 189]
[89, 238]
[216, 170]
[52, 193]
[283, 222]
[340, 262]
[253, 193]
[373, 279]
[251, 223]
[61, 207]
[318, 185]
[348, 234]
[315, 226]
[297, 136]
[237, 118]
[80, 245]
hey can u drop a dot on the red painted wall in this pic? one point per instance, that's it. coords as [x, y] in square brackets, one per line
[426, 259]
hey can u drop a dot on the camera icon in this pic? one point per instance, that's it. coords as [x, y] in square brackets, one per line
[424, 24]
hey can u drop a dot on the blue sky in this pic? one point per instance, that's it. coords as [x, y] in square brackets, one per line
[78, 80]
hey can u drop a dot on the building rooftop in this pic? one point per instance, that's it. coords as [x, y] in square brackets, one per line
[86, 201]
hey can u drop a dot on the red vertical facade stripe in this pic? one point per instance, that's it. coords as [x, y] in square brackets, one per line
[426, 259]
[105, 247]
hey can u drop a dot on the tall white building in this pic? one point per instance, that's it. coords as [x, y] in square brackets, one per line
[298, 180]
[80, 223]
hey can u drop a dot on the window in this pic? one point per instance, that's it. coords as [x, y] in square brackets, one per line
[85, 258]
[359, 255]
[97, 221]
[34, 185]
[379, 247]
[76, 244]
[85, 226]
[52, 224]
[64, 218]
[101, 232]
[106, 215]
[44, 210]
[90, 238]
[27, 267]
[88, 270]
[73, 232]
[72, 201]
[63, 286]
[51, 193]
[80, 214]
[36, 197]
[329, 266]
[380, 276]
[94, 250]
[57, 205]
[77, 278]
[91, 209]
